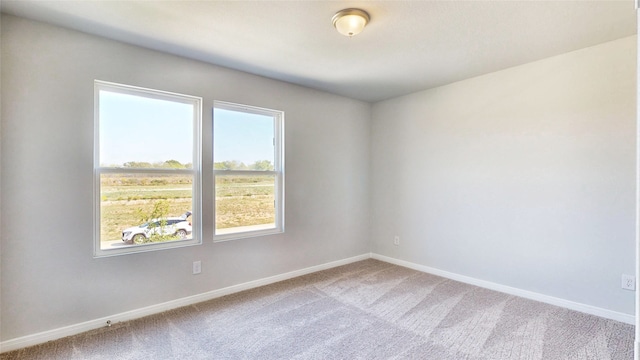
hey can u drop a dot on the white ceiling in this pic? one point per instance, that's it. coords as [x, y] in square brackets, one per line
[407, 46]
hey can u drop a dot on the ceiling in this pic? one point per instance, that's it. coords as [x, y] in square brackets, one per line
[408, 45]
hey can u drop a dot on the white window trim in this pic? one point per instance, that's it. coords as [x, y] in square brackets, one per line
[196, 169]
[278, 172]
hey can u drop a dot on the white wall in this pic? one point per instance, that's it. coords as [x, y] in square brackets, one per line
[523, 177]
[49, 277]
[0, 176]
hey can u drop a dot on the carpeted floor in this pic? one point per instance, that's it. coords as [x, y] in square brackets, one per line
[365, 310]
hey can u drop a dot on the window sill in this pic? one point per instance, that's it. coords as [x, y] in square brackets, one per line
[123, 249]
[243, 232]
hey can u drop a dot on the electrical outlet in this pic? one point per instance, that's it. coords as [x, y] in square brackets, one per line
[628, 282]
[396, 240]
[197, 267]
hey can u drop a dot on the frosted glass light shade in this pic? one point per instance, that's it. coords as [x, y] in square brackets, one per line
[350, 22]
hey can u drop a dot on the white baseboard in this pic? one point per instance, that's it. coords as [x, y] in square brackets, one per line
[54, 334]
[59, 333]
[588, 309]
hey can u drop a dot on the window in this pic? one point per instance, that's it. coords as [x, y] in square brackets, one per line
[248, 171]
[146, 169]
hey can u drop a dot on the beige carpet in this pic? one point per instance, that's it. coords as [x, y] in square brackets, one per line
[366, 310]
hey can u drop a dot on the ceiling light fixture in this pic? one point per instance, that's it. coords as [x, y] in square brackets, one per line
[350, 22]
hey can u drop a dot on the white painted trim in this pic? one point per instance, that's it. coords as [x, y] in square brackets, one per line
[54, 334]
[98, 169]
[588, 309]
[636, 351]
[278, 171]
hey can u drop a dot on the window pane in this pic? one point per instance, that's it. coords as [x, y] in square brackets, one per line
[244, 203]
[137, 209]
[242, 141]
[142, 132]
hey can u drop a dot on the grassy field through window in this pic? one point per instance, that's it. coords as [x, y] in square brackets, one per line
[244, 200]
[125, 199]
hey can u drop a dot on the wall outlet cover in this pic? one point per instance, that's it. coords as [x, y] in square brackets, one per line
[628, 282]
[197, 267]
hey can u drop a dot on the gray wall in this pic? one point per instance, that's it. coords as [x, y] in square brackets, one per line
[49, 278]
[523, 177]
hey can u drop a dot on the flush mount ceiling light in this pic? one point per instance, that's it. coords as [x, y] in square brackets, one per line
[350, 22]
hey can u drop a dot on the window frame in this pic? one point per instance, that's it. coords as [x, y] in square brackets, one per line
[278, 170]
[195, 171]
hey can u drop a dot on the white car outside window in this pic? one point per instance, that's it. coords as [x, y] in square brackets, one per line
[180, 227]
